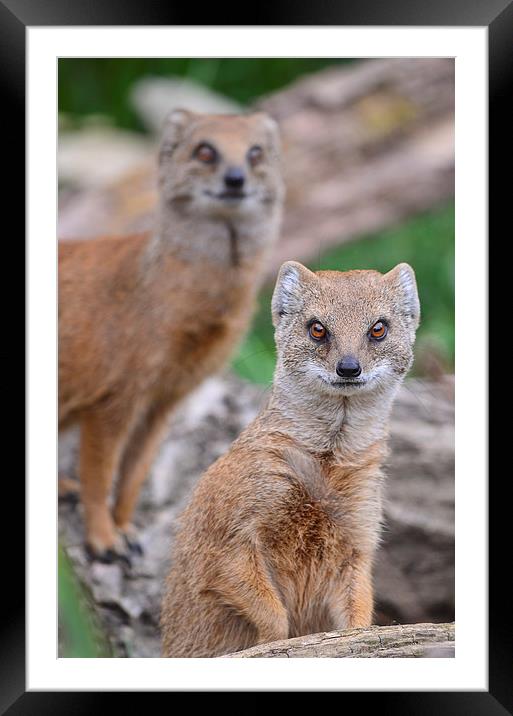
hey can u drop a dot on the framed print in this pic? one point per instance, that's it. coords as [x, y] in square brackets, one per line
[357, 139]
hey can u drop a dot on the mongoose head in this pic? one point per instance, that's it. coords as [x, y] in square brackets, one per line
[343, 333]
[223, 166]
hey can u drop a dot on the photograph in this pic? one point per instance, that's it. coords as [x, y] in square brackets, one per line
[256, 357]
[256, 439]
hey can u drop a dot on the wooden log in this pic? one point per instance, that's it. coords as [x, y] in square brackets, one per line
[382, 642]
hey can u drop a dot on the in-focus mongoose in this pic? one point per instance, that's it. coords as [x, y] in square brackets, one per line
[144, 319]
[279, 537]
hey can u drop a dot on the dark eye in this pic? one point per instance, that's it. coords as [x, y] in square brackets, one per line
[317, 331]
[205, 153]
[255, 155]
[378, 331]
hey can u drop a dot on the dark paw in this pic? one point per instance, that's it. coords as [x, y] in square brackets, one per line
[68, 490]
[108, 556]
[69, 498]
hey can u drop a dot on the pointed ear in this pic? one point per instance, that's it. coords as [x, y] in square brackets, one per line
[173, 130]
[402, 279]
[271, 127]
[288, 294]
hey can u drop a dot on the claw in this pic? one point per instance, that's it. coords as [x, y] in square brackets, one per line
[134, 546]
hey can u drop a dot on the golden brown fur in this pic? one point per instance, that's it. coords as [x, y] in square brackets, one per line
[144, 319]
[280, 534]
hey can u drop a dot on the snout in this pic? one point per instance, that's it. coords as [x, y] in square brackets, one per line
[348, 367]
[234, 179]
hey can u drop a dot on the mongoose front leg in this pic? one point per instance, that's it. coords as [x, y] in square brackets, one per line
[244, 584]
[100, 450]
[134, 469]
[351, 602]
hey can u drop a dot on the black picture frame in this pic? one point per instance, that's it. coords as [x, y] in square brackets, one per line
[497, 15]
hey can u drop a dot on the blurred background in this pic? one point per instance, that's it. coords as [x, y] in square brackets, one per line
[368, 151]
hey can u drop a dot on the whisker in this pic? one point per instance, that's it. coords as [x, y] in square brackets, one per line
[428, 410]
[243, 359]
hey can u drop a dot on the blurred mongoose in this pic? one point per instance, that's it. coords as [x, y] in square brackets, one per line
[144, 319]
[279, 537]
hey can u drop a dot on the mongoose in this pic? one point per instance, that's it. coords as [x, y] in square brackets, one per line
[279, 536]
[144, 319]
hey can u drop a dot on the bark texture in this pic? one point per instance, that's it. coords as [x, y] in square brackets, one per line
[382, 642]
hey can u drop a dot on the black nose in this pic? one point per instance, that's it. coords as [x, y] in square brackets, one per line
[234, 178]
[348, 367]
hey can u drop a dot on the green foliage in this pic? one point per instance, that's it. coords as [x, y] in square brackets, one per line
[79, 635]
[426, 242]
[102, 86]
